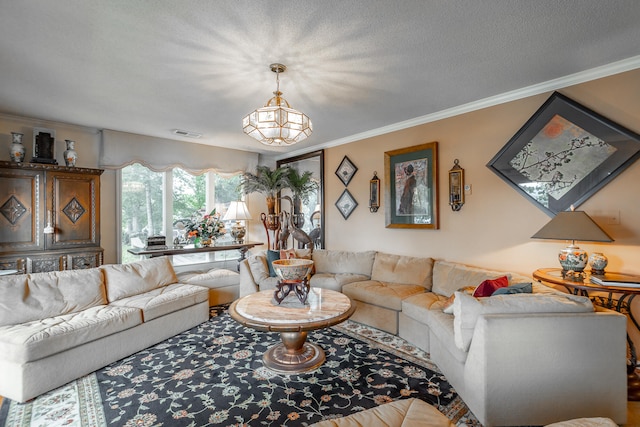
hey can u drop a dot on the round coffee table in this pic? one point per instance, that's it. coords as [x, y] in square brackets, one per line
[292, 319]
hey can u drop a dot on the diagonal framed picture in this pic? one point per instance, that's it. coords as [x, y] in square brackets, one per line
[346, 204]
[564, 154]
[411, 187]
[346, 170]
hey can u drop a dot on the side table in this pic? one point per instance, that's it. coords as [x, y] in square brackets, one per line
[625, 296]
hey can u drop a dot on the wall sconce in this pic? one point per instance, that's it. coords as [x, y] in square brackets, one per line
[456, 186]
[374, 193]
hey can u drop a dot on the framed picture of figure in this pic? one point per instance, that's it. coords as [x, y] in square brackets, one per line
[411, 187]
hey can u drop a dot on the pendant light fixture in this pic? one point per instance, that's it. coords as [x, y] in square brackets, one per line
[277, 123]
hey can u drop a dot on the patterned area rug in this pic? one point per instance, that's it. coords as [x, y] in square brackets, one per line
[213, 375]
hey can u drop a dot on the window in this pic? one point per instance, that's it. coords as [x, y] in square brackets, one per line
[165, 203]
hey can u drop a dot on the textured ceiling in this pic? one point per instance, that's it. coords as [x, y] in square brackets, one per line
[354, 66]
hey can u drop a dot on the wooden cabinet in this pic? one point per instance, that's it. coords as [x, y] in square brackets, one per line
[31, 196]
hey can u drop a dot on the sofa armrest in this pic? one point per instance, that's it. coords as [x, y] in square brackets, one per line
[548, 367]
[248, 284]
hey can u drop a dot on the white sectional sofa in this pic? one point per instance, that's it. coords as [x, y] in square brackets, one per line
[524, 359]
[58, 326]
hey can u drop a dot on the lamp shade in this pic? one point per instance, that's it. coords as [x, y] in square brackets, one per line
[237, 212]
[573, 225]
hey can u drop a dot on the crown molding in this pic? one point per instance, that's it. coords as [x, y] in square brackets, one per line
[514, 95]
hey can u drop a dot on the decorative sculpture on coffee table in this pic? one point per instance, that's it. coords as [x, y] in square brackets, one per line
[293, 274]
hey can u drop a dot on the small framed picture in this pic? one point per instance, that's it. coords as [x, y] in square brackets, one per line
[346, 204]
[346, 171]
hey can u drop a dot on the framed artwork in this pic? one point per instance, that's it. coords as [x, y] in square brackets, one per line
[44, 146]
[346, 171]
[346, 204]
[411, 187]
[564, 154]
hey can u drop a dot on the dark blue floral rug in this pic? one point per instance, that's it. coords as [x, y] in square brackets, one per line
[213, 375]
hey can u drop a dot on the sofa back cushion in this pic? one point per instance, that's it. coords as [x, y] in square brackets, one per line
[333, 261]
[403, 270]
[467, 309]
[125, 280]
[259, 267]
[448, 277]
[25, 298]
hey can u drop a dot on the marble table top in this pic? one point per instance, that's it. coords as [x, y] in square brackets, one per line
[324, 308]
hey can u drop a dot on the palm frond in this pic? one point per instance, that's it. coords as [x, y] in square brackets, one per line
[266, 181]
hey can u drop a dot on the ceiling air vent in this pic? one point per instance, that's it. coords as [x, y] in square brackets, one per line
[187, 133]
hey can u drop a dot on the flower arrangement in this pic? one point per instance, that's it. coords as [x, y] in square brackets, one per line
[208, 227]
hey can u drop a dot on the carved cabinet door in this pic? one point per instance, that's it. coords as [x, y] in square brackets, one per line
[21, 210]
[75, 203]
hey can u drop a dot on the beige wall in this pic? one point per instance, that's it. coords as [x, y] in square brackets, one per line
[495, 225]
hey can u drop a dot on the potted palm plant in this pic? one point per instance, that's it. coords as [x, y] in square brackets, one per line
[268, 182]
[301, 186]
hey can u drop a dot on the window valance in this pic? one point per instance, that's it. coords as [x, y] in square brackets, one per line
[119, 149]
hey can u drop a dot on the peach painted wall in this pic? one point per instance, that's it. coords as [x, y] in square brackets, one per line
[495, 225]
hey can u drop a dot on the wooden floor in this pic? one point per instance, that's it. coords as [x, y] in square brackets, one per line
[633, 414]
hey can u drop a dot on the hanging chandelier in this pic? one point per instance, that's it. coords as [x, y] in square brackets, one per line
[277, 123]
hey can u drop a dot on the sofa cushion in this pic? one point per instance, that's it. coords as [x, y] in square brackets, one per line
[336, 281]
[212, 279]
[489, 286]
[400, 413]
[467, 309]
[41, 338]
[418, 306]
[272, 256]
[447, 306]
[404, 270]
[333, 261]
[298, 253]
[518, 288]
[381, 294]
[441, 325]
[26, 298]
[165, 300]
[124, 280]
[450, 276]
[258, 267]
[268, 284]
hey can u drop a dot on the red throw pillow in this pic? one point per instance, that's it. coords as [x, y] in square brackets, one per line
[488, 287]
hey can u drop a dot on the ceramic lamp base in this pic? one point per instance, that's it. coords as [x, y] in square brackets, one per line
[238, 232]
[573, 258]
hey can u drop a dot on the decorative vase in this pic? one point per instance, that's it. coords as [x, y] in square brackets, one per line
[572, 258]
[16, 150]
[598, 262]
[70, 154]
[197, 242]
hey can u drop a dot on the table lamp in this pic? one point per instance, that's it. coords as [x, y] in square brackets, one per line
[237, 212]
[573, 225]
